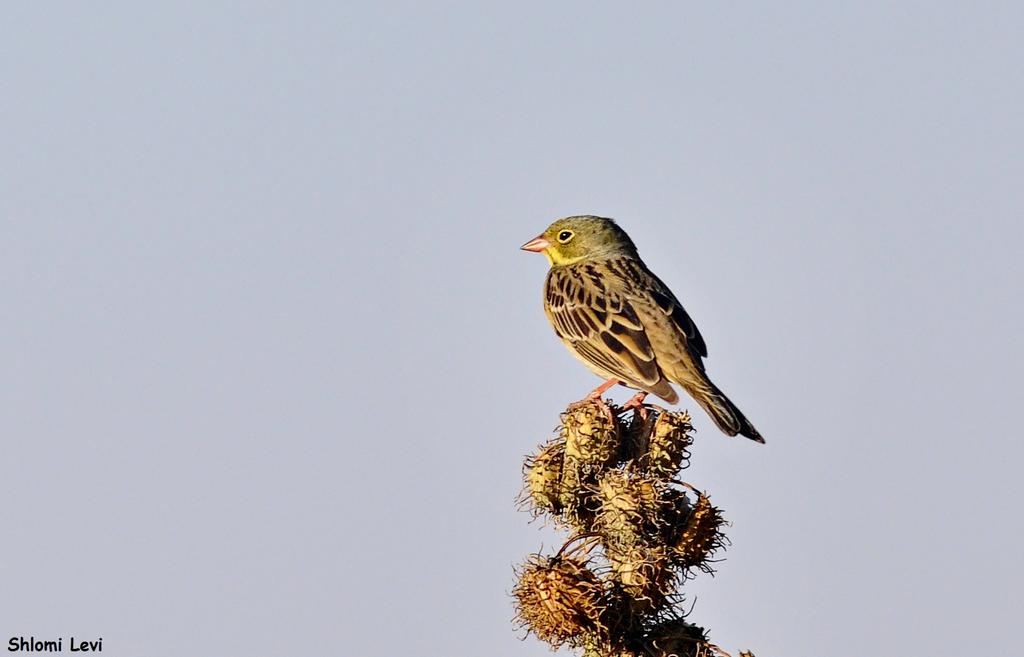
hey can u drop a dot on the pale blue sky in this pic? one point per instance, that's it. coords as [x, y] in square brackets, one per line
[272, 357]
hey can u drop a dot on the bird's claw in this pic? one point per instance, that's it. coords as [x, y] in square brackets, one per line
[636, 403]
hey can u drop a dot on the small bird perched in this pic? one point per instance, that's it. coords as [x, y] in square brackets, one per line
[623, 322]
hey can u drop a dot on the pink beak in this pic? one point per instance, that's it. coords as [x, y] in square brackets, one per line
[537, 244]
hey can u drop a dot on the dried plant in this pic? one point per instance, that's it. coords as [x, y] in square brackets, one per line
[637, 534]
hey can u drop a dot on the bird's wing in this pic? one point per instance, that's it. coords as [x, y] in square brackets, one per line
[602, 327]
[650, 286]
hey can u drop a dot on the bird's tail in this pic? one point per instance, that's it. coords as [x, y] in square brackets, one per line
[725, 414]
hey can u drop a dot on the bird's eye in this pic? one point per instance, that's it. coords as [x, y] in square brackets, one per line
[565, 236]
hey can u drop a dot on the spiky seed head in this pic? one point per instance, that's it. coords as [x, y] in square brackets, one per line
[701, 535]
[632, 494]
[643, 573]
[575, 496]
[559, 599]
[543, 474]
[591, 434]
[668, 444]
[630, 508]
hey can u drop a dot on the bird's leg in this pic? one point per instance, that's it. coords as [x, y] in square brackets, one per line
[600, 390]
[636, 402]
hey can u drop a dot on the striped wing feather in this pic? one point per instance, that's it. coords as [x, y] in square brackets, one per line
[601, 326]
[650, 286]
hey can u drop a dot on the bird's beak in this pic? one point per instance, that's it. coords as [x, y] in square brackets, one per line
[537, 244]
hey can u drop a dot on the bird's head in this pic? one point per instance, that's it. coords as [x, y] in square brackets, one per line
[574, 239]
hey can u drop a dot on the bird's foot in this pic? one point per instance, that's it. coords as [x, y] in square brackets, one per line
[595, 395]
[636, 403]
[600, 390]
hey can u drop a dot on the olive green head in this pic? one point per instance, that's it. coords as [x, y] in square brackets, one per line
[574, 239]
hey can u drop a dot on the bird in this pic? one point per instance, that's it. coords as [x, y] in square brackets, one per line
[623, 322]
